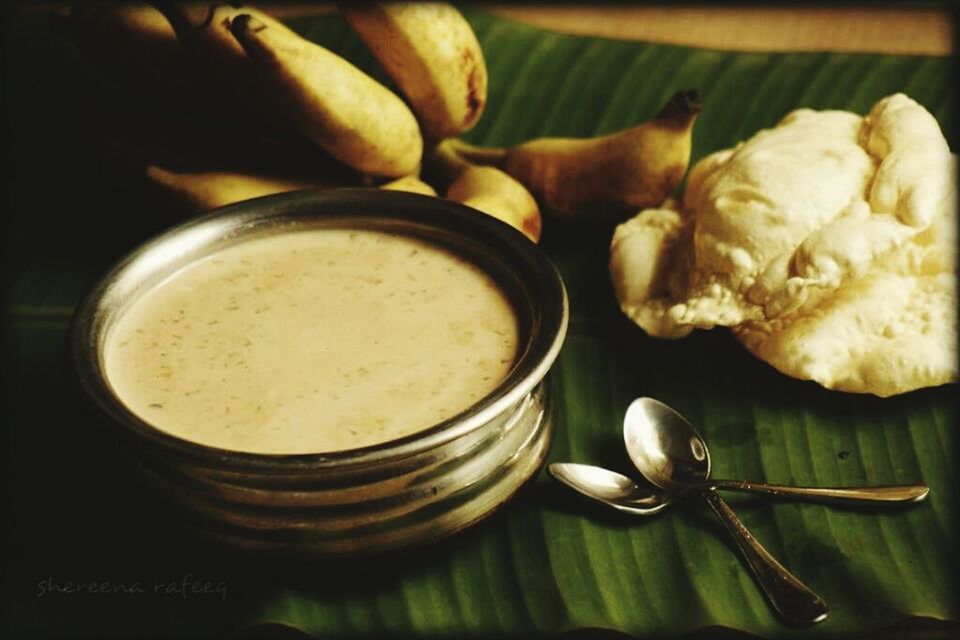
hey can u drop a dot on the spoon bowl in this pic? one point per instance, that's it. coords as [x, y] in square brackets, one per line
[664, 446]
[611, 488]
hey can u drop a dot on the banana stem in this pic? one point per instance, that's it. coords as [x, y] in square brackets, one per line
[451, 157]
[683, 106]
[444, 164]
[493, 156]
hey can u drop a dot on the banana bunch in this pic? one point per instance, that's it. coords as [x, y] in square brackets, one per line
[239, 66]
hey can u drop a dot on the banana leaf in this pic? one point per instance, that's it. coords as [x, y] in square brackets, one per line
[549, 562]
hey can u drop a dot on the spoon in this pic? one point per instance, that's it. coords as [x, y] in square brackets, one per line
[613, 489]
[662, 442]
[669, 453]
[622, 493]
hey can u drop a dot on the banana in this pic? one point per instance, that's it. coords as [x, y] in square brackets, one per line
[181, 56]
[205, 190]
[355, 118]
[411, 184]
[495, 193]
[603, 179]
[132, 44]
[204, 31]
[202, 191]
[204, 166]
[219, 61]
[430, 51]
[487, 189]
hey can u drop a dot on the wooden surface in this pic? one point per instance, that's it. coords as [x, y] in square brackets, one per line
[866, 29]
[904, 29]
[880, 30]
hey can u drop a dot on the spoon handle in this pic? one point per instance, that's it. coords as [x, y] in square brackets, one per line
[796, 603]
[842, 495]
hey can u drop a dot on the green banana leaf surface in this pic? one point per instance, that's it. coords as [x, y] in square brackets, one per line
[549, 562]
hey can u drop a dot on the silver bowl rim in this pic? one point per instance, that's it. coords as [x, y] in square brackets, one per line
[539, 277]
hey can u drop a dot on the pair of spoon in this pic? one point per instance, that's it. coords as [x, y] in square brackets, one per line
[671, 455]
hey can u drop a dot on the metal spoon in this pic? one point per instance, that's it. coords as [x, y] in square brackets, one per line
[668, 452]
[613, 489]
[623, 494]
[663, 442]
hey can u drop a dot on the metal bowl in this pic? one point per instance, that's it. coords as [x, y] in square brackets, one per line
[371, 499]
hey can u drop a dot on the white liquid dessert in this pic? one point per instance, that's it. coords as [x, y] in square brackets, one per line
[313, 341]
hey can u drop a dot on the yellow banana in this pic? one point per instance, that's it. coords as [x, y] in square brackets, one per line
[204, 166]
[204, 31]
[205, 190]
[132, 44]
[412, 184]
[355, 118]
[487, 189]
[220, 62]
[603, 179]
[430, 51]
[182, 55]
[495, 193]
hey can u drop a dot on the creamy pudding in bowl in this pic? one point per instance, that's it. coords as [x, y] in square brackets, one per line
[327, 373]
[313, 341]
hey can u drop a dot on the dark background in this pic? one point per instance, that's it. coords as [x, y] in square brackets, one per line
[70, 212]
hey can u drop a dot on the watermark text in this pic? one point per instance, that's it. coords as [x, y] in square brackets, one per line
[187, 586]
